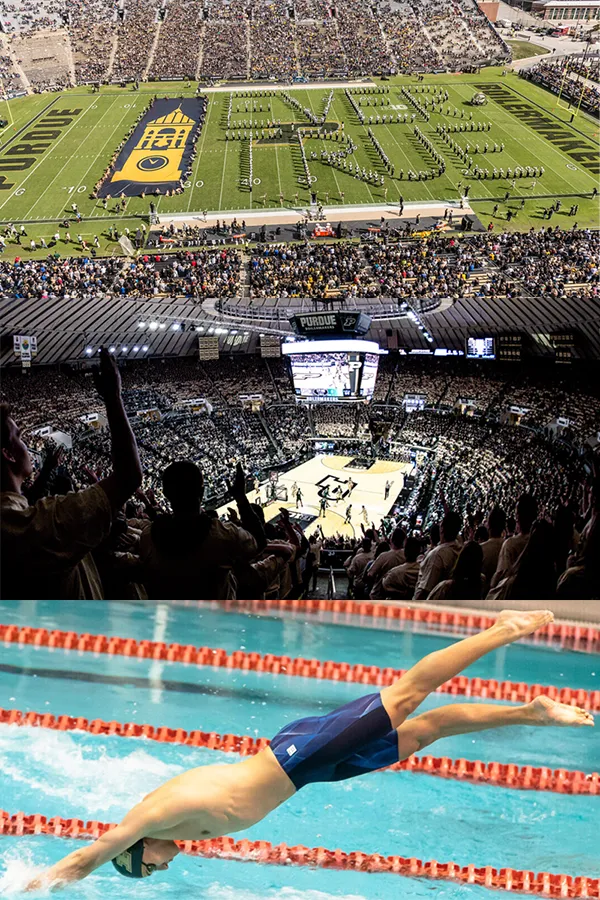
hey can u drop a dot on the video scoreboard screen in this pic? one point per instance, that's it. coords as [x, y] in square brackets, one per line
[481, 348]
[333, 371]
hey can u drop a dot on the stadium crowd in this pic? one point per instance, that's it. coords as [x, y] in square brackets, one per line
[486, 492]
[225, 42]
[550, 262]
[92, 39]
[566, 77]
[277, 40]
[179, 42]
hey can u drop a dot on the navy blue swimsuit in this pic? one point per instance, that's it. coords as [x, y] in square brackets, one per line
[352, 740]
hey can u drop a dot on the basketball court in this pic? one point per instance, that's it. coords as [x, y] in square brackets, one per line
[316, 475]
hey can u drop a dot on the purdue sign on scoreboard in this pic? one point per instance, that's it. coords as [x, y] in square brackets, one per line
[330, 323]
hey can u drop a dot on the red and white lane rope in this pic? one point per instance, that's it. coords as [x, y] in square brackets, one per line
[561, 781]
[507, 879]
[581, 637]
[490, 688]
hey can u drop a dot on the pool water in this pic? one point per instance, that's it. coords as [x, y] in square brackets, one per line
[89, 777]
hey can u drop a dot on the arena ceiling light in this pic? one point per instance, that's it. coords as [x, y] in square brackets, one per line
[162, 326]
[141, 324]
[89, 350]
[153, 326]
[175, 326]
[111, 349]
[145, 348]
[123, 349]
[135, 349]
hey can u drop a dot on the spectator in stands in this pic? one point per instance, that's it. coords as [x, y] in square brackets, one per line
[565, 534]
[316, 545]
[533, 575]
[466, 581]
[581, 579]
[265, 576]
[191, 553]
[310, 566]
[399, 583]
[438, 563]
[356, 564]
[46, 547]
[491, 548]
[527, 510]
[386, 561]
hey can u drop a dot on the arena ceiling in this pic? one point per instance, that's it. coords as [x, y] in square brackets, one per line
[65, 330]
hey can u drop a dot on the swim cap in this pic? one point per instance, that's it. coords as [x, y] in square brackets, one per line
[129, 862]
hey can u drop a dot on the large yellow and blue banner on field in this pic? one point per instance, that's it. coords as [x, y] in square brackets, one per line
[158, 152]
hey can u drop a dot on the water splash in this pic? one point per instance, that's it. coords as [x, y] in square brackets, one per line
[19, 870]
[90, 776]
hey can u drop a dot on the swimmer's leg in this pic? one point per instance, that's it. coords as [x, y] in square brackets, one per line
[405, 695]
[465, 718]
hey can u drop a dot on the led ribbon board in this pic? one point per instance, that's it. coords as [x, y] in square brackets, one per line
[317, 324]
[158, 152]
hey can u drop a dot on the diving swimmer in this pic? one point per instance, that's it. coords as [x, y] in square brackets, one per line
[362, 736]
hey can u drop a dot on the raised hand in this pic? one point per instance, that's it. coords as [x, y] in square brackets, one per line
[107, 378]
[238, 486]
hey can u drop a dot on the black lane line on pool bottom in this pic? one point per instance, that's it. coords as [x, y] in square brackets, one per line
[184, 687]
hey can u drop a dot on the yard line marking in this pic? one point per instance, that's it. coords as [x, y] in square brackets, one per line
[278, 178]
[223, 175]
[211, 105]
[332, 168]
[37, 165]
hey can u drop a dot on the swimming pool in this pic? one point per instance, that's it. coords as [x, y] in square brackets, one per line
[99, 777]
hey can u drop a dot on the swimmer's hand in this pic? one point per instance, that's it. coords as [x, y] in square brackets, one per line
[82, 862]
[74, 867]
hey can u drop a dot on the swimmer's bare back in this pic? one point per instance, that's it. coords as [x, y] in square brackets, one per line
[219, 800]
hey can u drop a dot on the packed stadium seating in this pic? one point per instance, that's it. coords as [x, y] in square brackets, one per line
[550, 262]
[95, 41]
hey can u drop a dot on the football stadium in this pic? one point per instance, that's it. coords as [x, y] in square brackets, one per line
[300, 416]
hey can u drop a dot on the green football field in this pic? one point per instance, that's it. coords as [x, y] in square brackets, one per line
[66, 170]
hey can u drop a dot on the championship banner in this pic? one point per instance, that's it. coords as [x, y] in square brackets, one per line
[158, 153]
[25, 352]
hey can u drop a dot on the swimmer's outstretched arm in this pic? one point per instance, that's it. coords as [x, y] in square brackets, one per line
[138, 823]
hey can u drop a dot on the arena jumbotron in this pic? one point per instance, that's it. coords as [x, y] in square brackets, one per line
[300, 297]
